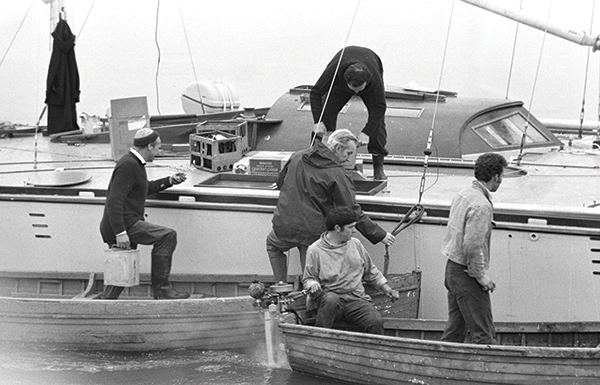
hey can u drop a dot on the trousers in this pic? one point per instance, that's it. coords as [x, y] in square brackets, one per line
[276, 249]
[469, 308]
[356, 311]
[164, 241]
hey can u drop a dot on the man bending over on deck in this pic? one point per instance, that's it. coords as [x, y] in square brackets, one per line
[467, 247]
[359, 72]
[336, 265]
[123, 222]
[311, 183]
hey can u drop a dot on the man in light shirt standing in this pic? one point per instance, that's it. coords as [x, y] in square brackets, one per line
[467, 247]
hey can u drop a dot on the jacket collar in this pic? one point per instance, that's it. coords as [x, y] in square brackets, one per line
[138, 155]
[480, 186]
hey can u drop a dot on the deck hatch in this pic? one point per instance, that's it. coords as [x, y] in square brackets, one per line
[403, 112]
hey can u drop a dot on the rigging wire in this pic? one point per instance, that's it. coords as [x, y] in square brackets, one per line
[158, 58]
[585, 79]
[187, 41]
[596, 143]
[512, 58]
[598, 125]
[428, 150]
[336, 70]
[85, 21]
[16, 33]
[537, 72]
[415, 213]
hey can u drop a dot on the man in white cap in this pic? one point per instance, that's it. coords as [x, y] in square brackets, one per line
[123, 222]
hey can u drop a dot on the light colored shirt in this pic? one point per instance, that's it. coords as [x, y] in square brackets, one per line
[341, 269]
[469, 230]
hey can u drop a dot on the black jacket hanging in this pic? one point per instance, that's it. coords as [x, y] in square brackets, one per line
[62, 85]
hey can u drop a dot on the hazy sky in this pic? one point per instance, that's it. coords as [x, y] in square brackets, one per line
[265, 47]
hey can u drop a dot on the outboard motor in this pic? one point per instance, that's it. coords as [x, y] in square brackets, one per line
[280, 294]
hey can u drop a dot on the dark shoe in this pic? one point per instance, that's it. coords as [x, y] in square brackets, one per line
[169, 293]
[378, 173]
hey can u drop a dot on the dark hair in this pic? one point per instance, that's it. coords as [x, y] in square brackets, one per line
[357, 74]
[488, 165]
[340, 216]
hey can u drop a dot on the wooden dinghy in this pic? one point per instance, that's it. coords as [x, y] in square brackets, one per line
[565, 354]
[132, 324]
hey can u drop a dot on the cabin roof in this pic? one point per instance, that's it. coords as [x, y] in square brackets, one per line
[409, 119]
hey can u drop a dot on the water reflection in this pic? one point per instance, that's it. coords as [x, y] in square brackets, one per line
[29, 365]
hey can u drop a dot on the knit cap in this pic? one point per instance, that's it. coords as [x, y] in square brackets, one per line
[144, 136]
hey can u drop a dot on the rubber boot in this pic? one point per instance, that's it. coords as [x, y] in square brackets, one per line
[161, 288]
[378, 173]
[111, 292]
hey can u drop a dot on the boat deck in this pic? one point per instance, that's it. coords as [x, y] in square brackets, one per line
[568, 180]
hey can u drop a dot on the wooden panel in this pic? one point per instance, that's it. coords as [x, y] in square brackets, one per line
[363, 358]
[133, 325]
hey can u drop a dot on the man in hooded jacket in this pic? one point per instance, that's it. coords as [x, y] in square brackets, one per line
[313, 182]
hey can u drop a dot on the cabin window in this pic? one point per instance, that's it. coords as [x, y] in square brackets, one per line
[507, 131]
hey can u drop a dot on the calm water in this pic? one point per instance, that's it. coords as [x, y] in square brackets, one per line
[51, 367]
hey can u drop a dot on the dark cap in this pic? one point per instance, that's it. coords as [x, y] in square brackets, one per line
[144, 137]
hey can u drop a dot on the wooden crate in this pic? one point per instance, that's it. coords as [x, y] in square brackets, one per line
[232, 127]
[215, 151]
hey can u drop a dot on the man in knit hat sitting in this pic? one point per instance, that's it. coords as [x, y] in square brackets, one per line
[123, 222]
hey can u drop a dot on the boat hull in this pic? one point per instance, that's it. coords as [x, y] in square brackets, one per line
[131, 325]
[225, 242]
[369, 359]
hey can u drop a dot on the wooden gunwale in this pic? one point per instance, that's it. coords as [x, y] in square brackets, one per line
[362, 358]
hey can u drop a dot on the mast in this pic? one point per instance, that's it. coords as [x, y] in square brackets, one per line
[57, 12]
[519, 16]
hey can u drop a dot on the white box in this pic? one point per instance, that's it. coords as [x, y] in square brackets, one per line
[268, 162]
[122, 267]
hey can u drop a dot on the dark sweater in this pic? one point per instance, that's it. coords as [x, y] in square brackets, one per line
[126, 196]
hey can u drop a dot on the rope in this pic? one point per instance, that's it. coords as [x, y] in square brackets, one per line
[158, 59]
[587, 66]
[16, 33]
[187, 41]
[336, 70]
[537, 72]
